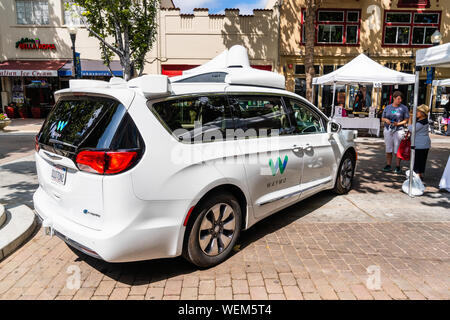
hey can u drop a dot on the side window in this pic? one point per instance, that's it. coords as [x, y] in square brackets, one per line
[202, 118]
[260, 116]
[304, 119]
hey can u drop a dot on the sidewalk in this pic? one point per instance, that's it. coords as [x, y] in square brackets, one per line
[320, 248]
[23, 126]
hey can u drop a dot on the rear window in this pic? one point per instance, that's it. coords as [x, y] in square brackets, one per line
[88, 123]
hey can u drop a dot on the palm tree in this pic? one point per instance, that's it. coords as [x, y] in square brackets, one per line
[310, 38]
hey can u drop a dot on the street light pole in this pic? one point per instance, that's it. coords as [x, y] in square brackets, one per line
[73, 35]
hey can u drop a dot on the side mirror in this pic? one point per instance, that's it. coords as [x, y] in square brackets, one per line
[333, 127]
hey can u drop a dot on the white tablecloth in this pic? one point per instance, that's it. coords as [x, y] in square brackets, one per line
[445, 180]
[373, 124]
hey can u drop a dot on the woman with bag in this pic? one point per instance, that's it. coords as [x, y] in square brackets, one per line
[394, 116]
[422, 140]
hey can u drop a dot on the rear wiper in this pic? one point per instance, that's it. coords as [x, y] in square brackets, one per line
[60, 142]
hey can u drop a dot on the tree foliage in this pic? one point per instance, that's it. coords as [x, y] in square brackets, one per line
[126, 28]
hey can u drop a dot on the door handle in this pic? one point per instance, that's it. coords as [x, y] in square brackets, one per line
[309, 148]
[296, 148]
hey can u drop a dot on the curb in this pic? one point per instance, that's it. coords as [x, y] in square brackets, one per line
[20, 225]
[2, 216]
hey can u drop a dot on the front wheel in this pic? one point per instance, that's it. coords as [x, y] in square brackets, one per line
[214, 231]
[345, 175]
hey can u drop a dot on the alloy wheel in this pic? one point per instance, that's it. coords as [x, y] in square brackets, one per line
[217, 229]
[346, 173]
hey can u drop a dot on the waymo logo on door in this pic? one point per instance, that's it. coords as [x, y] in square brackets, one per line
[278, 165]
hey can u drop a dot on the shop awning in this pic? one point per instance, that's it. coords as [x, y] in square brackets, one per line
[31, 68]
[92, 68]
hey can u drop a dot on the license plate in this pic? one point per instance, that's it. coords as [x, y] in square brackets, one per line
[59, 175]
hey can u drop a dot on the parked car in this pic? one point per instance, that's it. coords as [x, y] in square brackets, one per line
[158, 167]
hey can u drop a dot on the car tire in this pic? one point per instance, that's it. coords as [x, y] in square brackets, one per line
[345, 173]
[213, 230]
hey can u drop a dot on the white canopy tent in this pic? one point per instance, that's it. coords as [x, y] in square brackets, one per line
[363, 70]
[438, 56]
[441, 83]
[436, 83]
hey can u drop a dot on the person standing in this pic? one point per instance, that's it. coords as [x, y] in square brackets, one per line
[422, 140]
[394, 117]
[446, 119]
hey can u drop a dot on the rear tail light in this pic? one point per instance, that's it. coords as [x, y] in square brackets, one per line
[105, 162]
[36, 143]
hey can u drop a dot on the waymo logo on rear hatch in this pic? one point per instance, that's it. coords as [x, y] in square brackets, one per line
[61, 125]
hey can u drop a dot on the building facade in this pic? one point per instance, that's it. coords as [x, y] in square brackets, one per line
[388, 31]
[189, 40]
[36, 48]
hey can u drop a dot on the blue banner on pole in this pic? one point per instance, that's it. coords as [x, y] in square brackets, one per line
[77, 65]
[430, 75]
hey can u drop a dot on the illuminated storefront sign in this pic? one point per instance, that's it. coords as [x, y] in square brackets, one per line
[28, 73]
[34, 44]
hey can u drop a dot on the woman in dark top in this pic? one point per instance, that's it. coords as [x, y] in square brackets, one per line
[422, 140]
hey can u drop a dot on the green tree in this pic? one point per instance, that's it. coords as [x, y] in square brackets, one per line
[126, 28]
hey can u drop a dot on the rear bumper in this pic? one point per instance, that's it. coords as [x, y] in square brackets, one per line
[155, 231]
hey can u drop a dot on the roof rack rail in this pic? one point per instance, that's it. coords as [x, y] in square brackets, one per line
[149, 85]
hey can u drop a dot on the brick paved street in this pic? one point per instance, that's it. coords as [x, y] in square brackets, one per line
[326, 247]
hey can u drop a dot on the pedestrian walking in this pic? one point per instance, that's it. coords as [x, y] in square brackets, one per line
[422, 140]
[395, 116]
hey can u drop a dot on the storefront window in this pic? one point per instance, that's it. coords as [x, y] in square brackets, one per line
[413, 3]
[39, 91]
[335, 27]
[331, 16]
[397, 35]
[410, 28]
[300, 89]
[330, 34]
[32, 12]
[300, 69]
[328, 69]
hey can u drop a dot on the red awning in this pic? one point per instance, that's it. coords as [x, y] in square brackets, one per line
[31, 68]
[172, 70]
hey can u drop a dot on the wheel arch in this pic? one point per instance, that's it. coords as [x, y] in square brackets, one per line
[223, 188]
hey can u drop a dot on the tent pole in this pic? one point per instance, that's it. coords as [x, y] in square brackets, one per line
[334, 94]
[413, 133]
[431, 101]
[312, 94]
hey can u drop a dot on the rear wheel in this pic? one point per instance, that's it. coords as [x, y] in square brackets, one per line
[345, 175]
[214, 230]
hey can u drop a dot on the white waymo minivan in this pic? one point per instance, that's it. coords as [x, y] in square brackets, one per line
[158, 167]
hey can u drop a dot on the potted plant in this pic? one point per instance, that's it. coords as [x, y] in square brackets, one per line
[4, 120]
[10, 110]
